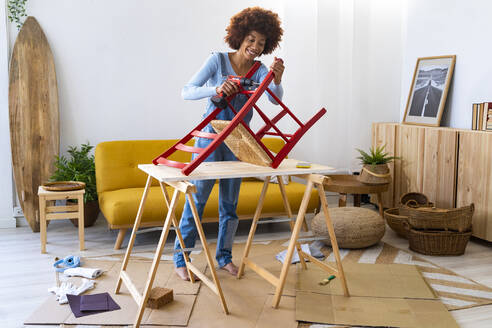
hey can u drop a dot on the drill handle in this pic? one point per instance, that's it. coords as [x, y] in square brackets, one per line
[220, 101]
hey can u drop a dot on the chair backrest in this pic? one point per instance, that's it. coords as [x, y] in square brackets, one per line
[117, 161]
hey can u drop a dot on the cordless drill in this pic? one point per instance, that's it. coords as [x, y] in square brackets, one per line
[247, 84]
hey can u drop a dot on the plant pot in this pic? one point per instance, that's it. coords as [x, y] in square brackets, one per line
[375, 174]
[91, 211]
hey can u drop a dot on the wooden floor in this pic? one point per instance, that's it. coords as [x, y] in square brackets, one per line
[26, 275]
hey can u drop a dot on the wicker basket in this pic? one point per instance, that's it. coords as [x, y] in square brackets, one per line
[457, 219]
[438, 242]
[396, 221]
[415, 199]
[375, 174]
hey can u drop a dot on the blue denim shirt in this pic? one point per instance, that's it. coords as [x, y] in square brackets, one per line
[211, 75]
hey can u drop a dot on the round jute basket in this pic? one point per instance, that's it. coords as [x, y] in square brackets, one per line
[375, 174]
[438, 242]
[415, 199]
[355, 227]
[427, 218]
[396, 221]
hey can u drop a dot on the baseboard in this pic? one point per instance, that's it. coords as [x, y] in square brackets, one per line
[21, 222]
[8, 223]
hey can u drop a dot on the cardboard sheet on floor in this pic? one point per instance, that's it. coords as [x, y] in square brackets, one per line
[363, 279]
[372, 311]
[381, 295]
[176, 313]
[264, 255]
[248, 308]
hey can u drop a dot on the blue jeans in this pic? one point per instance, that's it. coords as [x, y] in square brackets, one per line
[228, 221]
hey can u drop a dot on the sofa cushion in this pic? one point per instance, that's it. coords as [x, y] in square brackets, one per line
[120, 206]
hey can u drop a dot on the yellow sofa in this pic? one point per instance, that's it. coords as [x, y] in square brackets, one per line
[120, 186]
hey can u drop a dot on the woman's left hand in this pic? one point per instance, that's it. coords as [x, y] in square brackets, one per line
[278, 69]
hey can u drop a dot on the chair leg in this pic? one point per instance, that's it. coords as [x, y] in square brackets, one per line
[342, 201]
[80, 200]
[42, 223]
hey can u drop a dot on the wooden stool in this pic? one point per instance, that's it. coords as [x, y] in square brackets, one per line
[47, 212]
[348, 184]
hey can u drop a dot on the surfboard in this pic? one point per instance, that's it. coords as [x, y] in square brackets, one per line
[34, 117]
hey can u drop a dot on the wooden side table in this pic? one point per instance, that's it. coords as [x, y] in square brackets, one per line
[348, 184]
[52, 212]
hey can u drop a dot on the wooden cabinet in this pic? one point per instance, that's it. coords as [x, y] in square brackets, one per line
[474, 181]
[452, 167]
[385, 134]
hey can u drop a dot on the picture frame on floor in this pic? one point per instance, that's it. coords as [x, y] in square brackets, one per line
[429, 89]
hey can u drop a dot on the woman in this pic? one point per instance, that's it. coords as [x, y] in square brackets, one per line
[251, 33]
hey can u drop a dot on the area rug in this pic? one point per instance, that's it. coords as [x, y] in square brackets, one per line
[456, 292]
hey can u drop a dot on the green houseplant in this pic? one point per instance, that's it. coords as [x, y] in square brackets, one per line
[375, 169]
[80, 166]
[17, 10]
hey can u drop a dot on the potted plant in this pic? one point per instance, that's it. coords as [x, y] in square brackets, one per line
[375, 168]
[80, 166]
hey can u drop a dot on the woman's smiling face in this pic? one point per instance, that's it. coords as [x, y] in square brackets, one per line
[252, 45]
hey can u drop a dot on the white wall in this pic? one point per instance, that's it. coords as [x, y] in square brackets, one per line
[121, 66]
[462, 28]
[6, 199]
[376, 69]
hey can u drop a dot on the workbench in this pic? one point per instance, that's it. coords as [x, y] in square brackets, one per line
[225, 170]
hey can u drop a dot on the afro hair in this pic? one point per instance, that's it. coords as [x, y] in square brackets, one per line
[256, 19]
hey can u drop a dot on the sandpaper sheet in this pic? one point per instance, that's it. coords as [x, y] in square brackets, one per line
[96, 302]
[91, 304]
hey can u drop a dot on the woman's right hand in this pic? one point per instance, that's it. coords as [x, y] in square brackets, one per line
[228, 88]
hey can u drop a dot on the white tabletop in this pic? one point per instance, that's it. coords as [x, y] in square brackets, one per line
[227, 170]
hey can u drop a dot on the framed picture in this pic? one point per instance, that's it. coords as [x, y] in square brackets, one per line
[429, 89]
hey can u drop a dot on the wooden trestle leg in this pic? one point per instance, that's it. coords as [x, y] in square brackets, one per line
[178, 232]
[132, 237]
[254, 224]
[215, 286]
[293, 240]
[313, 181]
[289, 213]
[333, 238]
[141, 299]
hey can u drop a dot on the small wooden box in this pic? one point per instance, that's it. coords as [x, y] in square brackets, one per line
[159, 296]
